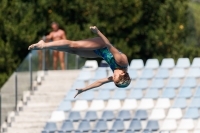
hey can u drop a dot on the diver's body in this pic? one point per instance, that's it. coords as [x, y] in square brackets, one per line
[92, 48]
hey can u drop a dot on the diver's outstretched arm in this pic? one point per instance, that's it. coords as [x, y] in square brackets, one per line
[94, 85]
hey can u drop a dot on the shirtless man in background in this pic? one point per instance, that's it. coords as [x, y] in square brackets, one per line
[57, 34]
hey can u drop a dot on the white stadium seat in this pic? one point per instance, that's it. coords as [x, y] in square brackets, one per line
[152, 64]
[174, 113]
[90, 65]
[113, 104]
[129, 104]
[80, 105]
[196, 131]
[196, 62]
[157, 114]
[163, 103]
[198, 125]
[97, 105]
[146, 103]
[181, 131]
[169, 124]
[194, 72]
[186, 124]
[178, 73]
[137, 64]
[167, 63]
[57, 116]
[183, 63]
[84, 75]
[99, 74]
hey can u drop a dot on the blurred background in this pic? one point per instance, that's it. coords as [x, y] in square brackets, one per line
[160, 37]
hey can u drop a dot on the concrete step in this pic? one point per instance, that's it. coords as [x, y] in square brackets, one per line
[31, 119]
[52, 94]
[47, 99]
[34, 114]
[60, 77]
[63, 72]
[61, 86]
[28, 125]
[22, 130]
[56, 79]
[42, 104]
[58, 85]
[54, 89]
[36, 109]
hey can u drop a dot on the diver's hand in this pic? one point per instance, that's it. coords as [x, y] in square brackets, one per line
[94, 29]
[79, 91]
[37, 46]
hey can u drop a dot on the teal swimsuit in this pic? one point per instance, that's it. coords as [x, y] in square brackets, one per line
[109, 58]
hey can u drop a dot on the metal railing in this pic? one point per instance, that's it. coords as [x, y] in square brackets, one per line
[22, 79]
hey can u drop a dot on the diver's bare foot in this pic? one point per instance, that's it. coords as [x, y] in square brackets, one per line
[37, 46]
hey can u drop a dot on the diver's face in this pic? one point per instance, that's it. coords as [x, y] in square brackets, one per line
[117, 74]
[116, 77]
[54, 27]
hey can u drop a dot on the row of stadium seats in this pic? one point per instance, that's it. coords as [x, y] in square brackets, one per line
[168, 63]
[143, 84]
[108, 115]
[118, 125]
[171, 93]
[145, 103]
[146, 74]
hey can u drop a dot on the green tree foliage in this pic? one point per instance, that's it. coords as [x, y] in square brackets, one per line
[140, 28]
[193, 23]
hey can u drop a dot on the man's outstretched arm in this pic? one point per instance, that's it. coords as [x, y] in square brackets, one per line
[48, 37]
[94, 85]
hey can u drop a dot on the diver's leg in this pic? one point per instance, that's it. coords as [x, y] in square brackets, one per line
[88, 44]
[84, 53]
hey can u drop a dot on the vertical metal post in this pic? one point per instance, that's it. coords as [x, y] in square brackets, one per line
[43, 60]
[77, 61]
[0, 111]
[16, 91]
[44, 56]
[66, 60]
[30, 70]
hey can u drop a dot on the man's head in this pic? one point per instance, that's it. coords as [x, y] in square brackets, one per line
[121, 78]
[54, 26]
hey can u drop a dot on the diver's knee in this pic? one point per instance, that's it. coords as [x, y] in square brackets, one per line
[74, 45]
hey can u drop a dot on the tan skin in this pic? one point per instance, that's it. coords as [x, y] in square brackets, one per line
[55, 35]
[85, 48]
